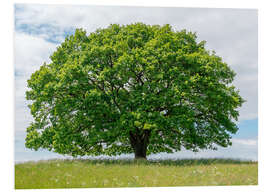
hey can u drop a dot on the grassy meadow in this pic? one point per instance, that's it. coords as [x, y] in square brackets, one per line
[80, 173]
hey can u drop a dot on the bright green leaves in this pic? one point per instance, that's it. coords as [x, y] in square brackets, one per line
[140, 122]
[152, 83]
[137, 124]
[148, 126]
[235, 99]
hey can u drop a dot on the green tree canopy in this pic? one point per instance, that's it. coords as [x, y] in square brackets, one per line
[132, 88]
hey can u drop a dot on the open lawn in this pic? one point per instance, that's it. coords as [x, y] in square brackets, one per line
[128, 173]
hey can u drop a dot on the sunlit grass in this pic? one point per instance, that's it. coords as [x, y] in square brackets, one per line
[129, 173]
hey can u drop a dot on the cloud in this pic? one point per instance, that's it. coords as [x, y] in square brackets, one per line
[249, 142]
[244, 149]
[29, 53]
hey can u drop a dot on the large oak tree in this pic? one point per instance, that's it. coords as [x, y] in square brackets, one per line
[132, 88]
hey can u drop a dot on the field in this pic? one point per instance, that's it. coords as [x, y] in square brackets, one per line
[128, 173]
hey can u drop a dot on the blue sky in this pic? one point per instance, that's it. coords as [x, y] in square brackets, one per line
[232, 33]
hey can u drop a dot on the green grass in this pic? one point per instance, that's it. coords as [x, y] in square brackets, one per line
[128, 173]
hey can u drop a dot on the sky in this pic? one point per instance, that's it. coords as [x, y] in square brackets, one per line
[232, 33]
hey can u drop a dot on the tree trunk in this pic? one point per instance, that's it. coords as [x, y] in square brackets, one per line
[139, 143]
[140, 151]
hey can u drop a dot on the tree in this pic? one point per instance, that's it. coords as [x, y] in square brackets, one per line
[132, 88]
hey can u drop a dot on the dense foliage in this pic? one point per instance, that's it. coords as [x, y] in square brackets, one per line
[132, 88]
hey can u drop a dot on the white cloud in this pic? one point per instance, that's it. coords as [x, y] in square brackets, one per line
[30, 52]
[248, 142]
[244, 149]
